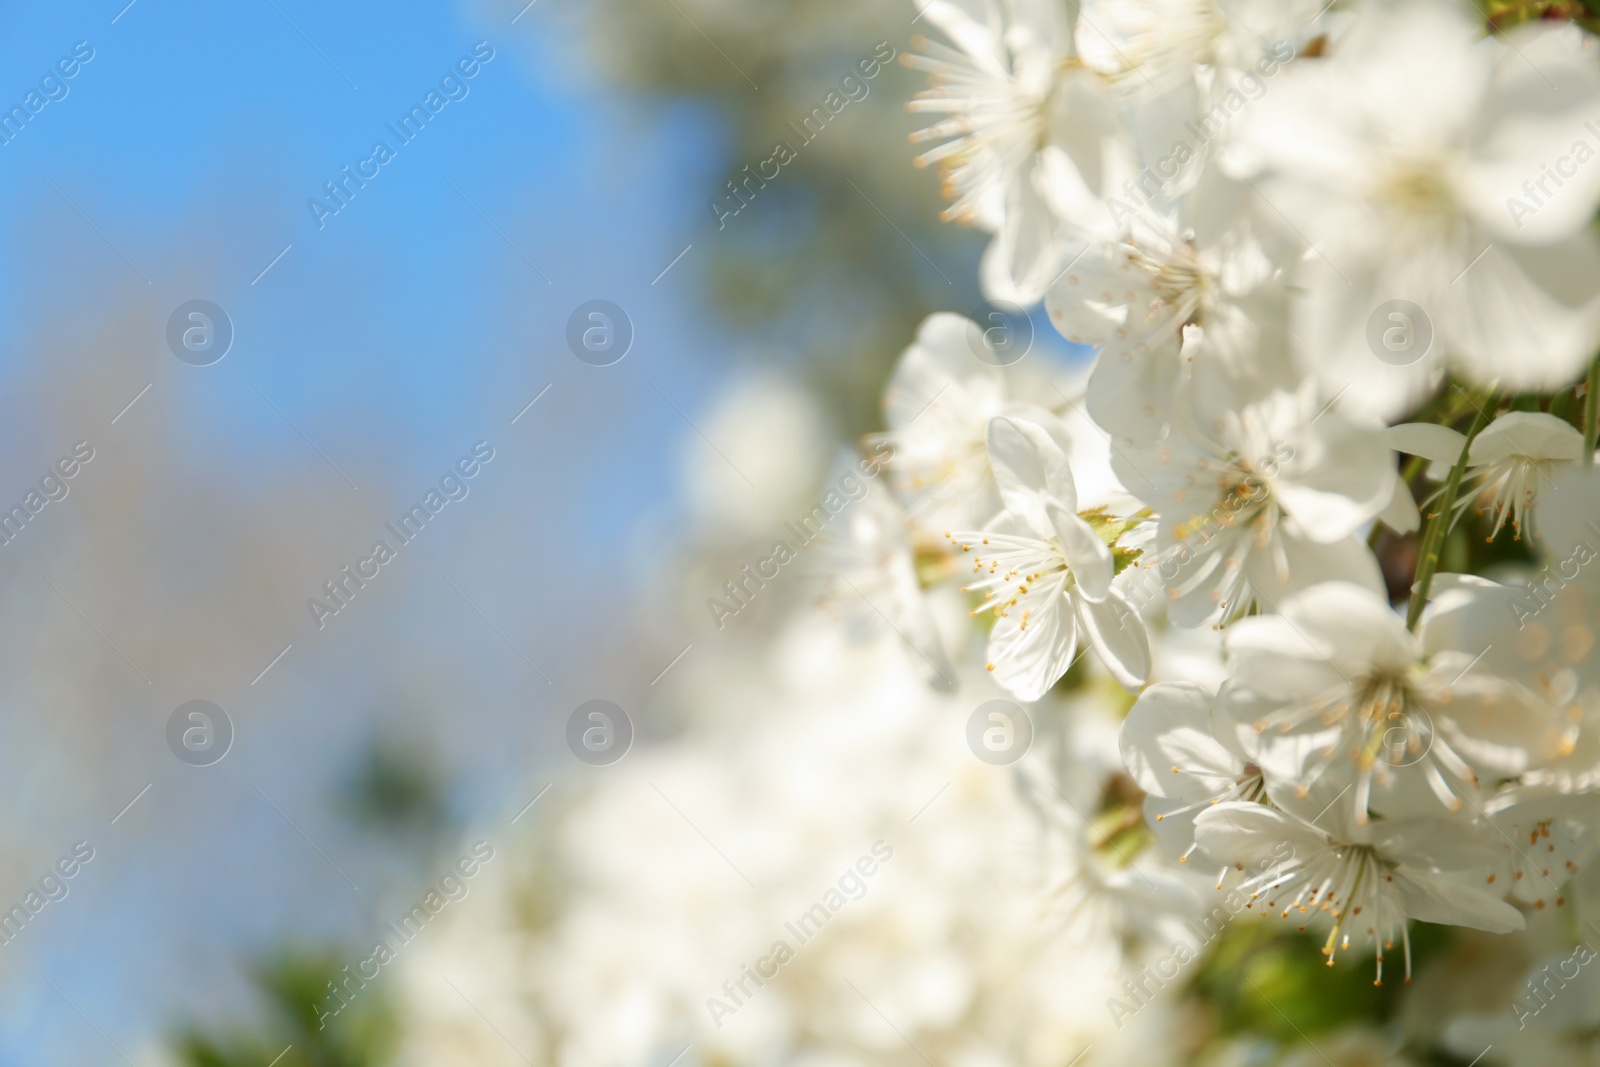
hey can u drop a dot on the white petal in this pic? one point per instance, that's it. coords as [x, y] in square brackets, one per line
[1326, 639]
[1332, 316]
[1029, 466]
[1275, 661]
[1168, 733]
[1032, 645]
[1496, 724]
[1341, 475]
[1436, 845]
[1527, 318]
[1401, 515]
[1544, 92]
[1429, 440]
[1131, 386]
[1238, 833]
[1117, 633]
[1026, 252]
[1356, 628]
[1349, 560]
[1444, 900]
[1087, 555]
[1527, 433]
[1096, 294]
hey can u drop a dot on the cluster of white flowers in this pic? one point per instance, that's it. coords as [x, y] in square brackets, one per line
[1334, 262]
[1322, 509]
[835, 881]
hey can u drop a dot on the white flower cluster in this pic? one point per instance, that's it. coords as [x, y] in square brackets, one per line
[835, 881]
[1323, 511]
[1332, 260]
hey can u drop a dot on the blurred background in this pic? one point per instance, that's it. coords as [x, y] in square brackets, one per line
[361, 337]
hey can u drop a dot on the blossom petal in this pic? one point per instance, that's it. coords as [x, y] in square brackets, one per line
[1087, 555]
[1526, 318]
[1543, 94]
[1168, 733]
[1533, 434]
[1332, 626]
[1401, 515]
[1340, 476]
[1444, 900]
[1237, 833]
[1033, 643]
[1440, 444]
[1499, 725]
[1117, 633]
[1029, 465]
[1024, 256]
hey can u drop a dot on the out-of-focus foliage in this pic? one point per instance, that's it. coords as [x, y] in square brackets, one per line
[398, 789]
[1506, 13]
[292, 984]
[835, 261]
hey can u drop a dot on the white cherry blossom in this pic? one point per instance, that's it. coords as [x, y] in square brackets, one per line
[1201, 263]
[1029, 140]
[1365, 881]
[937, 406]
[1046, 573]
[1335, 689]
[1259, 501]
[1510, 464]
[1405, 159]
[1186, 758]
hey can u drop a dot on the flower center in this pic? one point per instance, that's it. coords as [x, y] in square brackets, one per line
[1178, 281]
[1386, 727]
[1350, 883]
[1421, 196]
[1512, 487]
[1009, 567]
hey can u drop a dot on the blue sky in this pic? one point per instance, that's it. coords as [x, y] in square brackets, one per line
[368, 356]
[194, 138]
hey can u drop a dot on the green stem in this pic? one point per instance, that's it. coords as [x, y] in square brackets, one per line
[1591, 412]
[1439, 521]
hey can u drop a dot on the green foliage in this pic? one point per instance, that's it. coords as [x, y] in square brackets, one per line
[830, 265]
[1503, 14]
[1109, 528]
[398, 788]
[291, 986]
[1267, 979]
